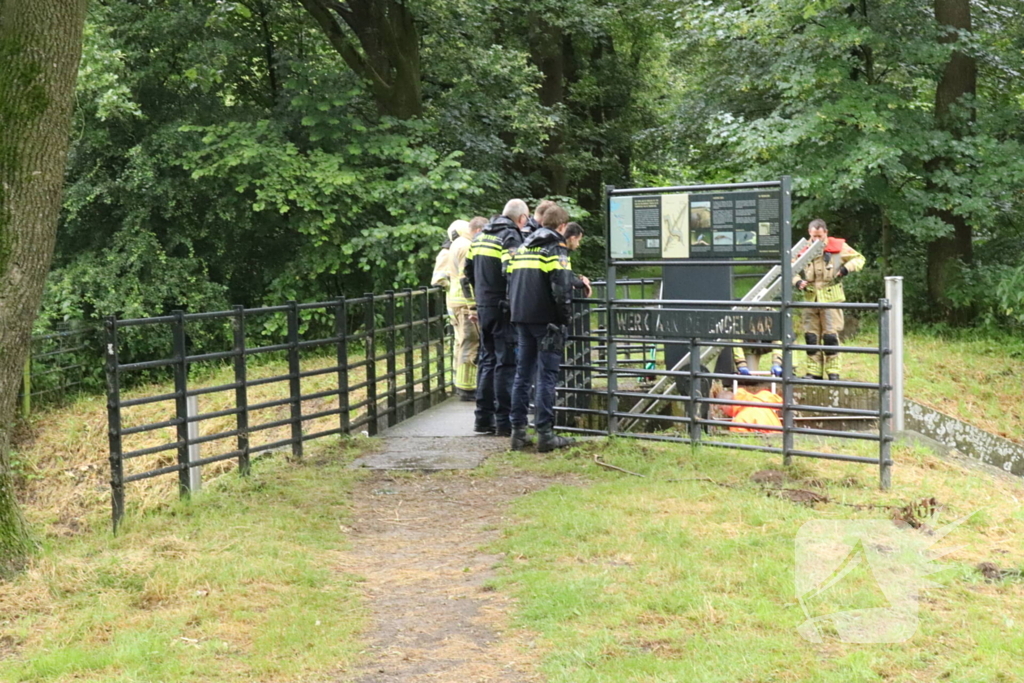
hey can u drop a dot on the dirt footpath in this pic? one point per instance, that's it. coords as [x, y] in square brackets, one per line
[416, 540]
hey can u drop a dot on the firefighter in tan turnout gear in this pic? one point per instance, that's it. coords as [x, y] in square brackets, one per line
[462, 309]
[821, 281]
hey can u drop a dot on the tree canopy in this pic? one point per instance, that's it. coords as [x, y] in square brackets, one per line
[251, 152]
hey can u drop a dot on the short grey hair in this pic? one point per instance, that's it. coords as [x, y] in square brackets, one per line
[515, 209]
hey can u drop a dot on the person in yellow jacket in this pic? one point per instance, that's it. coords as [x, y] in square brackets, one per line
[439, 278]
[820, 281]
[462, 309]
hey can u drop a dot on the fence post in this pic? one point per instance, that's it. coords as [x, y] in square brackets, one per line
[611, 352]
[181, 399]
[884, 398]
[341, 333]
[114, 423]
[786, 312]
[442, 356]
[371, 366]
[694, 393]
[410, 402]
[294, 384]
[241, 390]
[391, 343]
[894, 293]
[428, 367]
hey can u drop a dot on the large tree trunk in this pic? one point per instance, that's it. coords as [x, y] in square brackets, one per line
[40, 45]
[548, 49]
[959, 78]
[390, 56]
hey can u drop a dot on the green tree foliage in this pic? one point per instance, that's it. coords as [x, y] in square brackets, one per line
[251, 152]
[842, 96]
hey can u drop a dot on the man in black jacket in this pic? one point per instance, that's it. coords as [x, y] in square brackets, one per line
[486, 270]
[540, 295]
[536, 221]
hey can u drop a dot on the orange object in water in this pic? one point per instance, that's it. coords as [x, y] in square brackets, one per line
[752, 415]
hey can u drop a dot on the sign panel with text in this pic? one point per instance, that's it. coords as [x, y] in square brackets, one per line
[731, 224]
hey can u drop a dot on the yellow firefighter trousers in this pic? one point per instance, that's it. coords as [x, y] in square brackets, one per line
[819, 322]
[467, 345]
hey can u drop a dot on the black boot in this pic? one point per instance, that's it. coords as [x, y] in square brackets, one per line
[834, 376]
[484, 427]
[810, 376]
[520, 439]
[548, 441]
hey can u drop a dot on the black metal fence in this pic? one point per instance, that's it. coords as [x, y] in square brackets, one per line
[60, 362]
[354, 365]
[609, 377]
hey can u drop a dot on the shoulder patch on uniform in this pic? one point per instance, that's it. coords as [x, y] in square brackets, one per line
[564, 260]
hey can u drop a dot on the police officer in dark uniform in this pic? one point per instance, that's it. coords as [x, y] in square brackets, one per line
[535, 222]
[486, 269]
[540, 294]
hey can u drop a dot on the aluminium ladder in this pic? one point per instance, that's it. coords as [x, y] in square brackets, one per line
[766, 289]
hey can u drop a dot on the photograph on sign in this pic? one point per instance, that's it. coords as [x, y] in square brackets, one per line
[621, 224]
[675, 225]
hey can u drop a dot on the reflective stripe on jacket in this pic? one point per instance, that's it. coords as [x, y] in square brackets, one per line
[488, 258]
[540, 280]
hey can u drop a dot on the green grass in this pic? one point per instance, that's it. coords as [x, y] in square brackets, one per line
[236, 584]
[973, 375]
[675, 578]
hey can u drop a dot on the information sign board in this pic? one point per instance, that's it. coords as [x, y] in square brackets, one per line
[729, 224]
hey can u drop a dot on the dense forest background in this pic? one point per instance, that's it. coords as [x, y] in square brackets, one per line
[259, 151]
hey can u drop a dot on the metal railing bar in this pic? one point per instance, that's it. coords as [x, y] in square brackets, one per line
[269, 404]
[151, 450]
[212, 390]
[148, 399]
[271, 425]
[59, 352]
[327, 432]
[835, 456]
[214, 458]
[267, 349]
[742, 446]
[267, 380]
[864, 436]
[139, 322]
[215, 414]
[215, 437]
[322, 413]
[152, 473]
[271, 445]
[217, 355]
[210, 315]
[147, 364]
[126, 431]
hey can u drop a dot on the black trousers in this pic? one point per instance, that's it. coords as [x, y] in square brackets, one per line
[496, 369]
[539, 358]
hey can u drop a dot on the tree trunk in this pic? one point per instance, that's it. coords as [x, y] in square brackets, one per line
[959, 78]
[390, 57]
[548, 51]
[40, 45]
